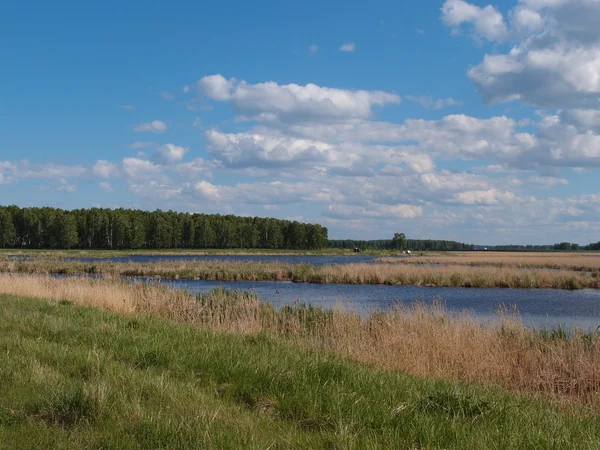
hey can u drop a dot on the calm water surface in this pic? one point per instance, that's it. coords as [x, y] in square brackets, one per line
[538, 307]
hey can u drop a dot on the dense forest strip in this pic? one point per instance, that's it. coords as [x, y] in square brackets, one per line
[409, 244]
[450, 246]
[98, 228]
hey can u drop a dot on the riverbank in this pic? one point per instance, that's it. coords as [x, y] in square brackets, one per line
[570, 261]
[168, 371]
[419, 340]
[391, 274]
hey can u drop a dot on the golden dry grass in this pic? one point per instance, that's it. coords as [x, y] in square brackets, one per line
[388, 273]
[575, 261]
[420, 340]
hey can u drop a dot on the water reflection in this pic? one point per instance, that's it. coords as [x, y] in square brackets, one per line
[538, 307]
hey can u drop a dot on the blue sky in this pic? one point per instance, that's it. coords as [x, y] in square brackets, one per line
[440, 119]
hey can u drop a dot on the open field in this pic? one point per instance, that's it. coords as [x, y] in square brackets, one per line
[573, 261]
[76, 377]
[419, 340]
[385, 273]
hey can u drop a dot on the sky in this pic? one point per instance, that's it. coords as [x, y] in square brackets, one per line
[441, 119]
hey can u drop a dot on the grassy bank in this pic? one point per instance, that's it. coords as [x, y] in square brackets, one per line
[574, 261]
[393, 274]
[79, 378]
[419, 340]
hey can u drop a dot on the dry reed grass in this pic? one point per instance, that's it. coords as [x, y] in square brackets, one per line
[420, 340]
[579, 262]
[395, 274]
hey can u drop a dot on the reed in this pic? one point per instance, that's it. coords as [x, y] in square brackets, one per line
[425, 340]
[577, 262]
[392, 274]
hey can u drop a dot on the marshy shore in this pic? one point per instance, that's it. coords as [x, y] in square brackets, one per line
[417, 339]
[103, 363]
[452, 275]
[569, 261]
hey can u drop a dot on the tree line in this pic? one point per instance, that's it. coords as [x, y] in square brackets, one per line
[562, 246]
[99, 228]
[402, 243]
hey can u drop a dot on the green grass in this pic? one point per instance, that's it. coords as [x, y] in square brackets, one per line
[79, 378]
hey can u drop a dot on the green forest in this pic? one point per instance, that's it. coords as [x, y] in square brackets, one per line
[98, 228]
[410, 244]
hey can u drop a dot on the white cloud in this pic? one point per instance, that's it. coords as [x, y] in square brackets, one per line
[25, 169]
[374, 210]
[207, 191]
[167, 95]
[294, 102]
[106, 186]
[65, 186]
[7, 170]
[547, 181]
[487, 22]
[155, 190]
[217, 87]
[487, 197]
[348, 47]
[170, 153]
[156, 126]
[243, 149]
[105, 169]
[138, 168]
[555, 62]
[193, 169]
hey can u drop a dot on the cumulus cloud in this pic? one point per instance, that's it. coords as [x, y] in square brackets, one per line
[375, 210]
[139, 168]
[65, 186]
[193, 169]
[156, 126]
[294, 102]
[487, 22]
[254, 149]
[105, 169]
[26, 169]
[547, 181]
[207, 191]
[487, 197]
[107, 187]
[555, 61]
[170, 153]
